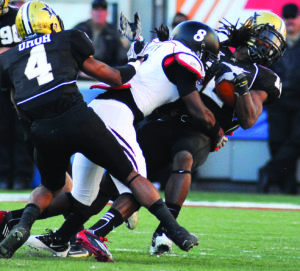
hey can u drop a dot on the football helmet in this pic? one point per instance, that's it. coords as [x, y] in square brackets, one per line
[268, 40]
[200, 38]
[3, 7]
[37, 17]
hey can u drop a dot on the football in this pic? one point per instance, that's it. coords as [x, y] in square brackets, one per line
[225, 91]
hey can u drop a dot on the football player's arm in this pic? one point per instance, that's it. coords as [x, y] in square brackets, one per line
[106, 74]
[185, 81]
[249, 107]
[198, 110]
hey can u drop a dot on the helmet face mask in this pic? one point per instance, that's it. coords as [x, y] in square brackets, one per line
[3, 7]
[200, 38]
[37, 17]
[268, 41]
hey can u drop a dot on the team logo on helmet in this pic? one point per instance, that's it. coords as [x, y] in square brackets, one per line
[37, 17]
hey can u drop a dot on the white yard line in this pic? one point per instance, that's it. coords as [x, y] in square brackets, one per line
[216, 204]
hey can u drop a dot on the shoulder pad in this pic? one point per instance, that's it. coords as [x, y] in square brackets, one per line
[191, 63]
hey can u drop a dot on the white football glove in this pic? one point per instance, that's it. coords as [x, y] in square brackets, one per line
[131, 31]
[137, 49]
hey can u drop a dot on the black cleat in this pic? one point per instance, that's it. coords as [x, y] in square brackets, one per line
[183, 239]
[14, 240]
[78, 251]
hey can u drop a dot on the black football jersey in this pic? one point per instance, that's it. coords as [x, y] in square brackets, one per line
[8, 30]
[44, 69]
[259, 78]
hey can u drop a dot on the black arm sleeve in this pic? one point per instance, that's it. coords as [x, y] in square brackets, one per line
[127, 72]
[183, 78]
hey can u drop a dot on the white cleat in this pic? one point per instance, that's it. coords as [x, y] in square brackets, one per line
[160, 244]
[47, 242]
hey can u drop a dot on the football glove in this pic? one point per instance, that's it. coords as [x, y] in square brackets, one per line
[219, 139]
[136, 50]
[241, 84]
[131, 31]
[220, 142]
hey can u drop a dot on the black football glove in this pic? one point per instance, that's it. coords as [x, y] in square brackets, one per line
[241, 84]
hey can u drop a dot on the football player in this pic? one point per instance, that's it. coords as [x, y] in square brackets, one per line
[174, 138]
[40, 73]
[257, 43]
[170, 72]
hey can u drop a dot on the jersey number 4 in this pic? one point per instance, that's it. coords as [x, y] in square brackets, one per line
[38, 67]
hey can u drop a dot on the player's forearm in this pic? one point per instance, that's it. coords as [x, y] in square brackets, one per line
[248, 109]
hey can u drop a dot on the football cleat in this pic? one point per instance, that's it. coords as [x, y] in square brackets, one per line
[132, 221]
[160, 244]
[183, 239]
[5, 226]
[14, 240]
[49, 242]
[78, 251]
[94, 244]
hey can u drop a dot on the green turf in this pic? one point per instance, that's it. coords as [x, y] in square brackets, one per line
[230, 239]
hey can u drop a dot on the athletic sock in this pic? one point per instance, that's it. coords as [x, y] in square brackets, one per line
[73, 222]
[107, 223]
[162, 213]
[30, 214]
[174, 209]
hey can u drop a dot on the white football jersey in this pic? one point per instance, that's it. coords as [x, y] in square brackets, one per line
[150, 87]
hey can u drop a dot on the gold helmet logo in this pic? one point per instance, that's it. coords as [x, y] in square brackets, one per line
[37, 17]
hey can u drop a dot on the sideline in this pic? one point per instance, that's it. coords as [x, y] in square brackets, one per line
[187, 203]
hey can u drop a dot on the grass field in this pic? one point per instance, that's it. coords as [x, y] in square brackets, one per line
[230, 239]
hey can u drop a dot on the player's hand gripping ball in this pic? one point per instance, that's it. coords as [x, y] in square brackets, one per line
[225, 91]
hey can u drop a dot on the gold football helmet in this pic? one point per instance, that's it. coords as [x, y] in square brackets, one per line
[37, 17]
[3, 7]
[268, 42]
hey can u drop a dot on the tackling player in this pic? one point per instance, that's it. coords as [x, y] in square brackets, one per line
[40, 73]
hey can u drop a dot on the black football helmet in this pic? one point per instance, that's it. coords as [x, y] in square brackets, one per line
[200, 38]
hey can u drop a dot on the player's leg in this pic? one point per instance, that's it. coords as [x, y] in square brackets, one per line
[189, 152]
[39, 200]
